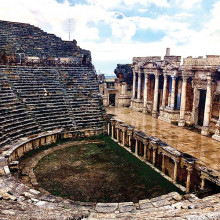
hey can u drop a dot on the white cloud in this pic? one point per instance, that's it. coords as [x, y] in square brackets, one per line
[188, 4]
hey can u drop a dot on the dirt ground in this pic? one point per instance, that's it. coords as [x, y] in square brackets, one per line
[99, 173]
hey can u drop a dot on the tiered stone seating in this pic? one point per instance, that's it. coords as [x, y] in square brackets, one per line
[51, 98]
[15, 121]
[40, 90]
[82, 88]
[36, 42]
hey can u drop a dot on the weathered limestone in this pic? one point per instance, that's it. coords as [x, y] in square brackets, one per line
[183, 103]
[145, 91]
[156, 90]
[188, 180]
[216, 136]
[136, 147]
[174, 164]
[207, 114]
[164, 91]
[134, 84]
[182, 90]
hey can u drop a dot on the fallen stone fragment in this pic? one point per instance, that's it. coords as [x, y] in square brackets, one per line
[145, 204]
[126, 207]
[6, 169]
[106, 207]
[33, 191]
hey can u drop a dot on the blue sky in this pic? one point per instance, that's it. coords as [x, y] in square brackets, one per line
[117, 30]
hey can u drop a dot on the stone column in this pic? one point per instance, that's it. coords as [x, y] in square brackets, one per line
[202, 183]
[154, 156]
[145, 91]
[175, 171]
[129, 141]
[188, 180]
[208, 105]
[216, 136]
[139, 86]
[164, 91]
[163, 163]
[145, 152]
[173, 92]
[123, 138]
[156, 91]
[113, 131]
[117, 134]
[183, 103]
[134, 84]
[136, 147]
[109, 129]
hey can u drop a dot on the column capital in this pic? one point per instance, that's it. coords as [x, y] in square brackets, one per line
[189, 169]
[156, 76]
[185, 78]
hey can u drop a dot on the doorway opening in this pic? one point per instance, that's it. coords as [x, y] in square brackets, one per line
[111, 99]
[202, 98]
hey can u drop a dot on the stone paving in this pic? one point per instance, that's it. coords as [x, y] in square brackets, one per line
[203, 148]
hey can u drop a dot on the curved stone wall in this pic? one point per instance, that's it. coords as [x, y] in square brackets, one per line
[20, 201]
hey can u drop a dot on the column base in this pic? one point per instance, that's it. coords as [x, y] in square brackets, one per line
[181, 123]
[205, 131]
[155, 114]
[145, 110]
[216, 137]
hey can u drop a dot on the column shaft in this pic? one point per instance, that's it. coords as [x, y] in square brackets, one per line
[163, 163]
[173, 93]
[175, 171]
[109, 128]
[123, 138]
[145, 90]
[154, 156]
[202, 183]
[113, 131]
[139, 86]
[136, 147]
[156, 91]
[129, 141]
[188, 180]
[118, 135]
[134, 84]
[145, 152]
[208, 103]
[183, 103]
[164, 91]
